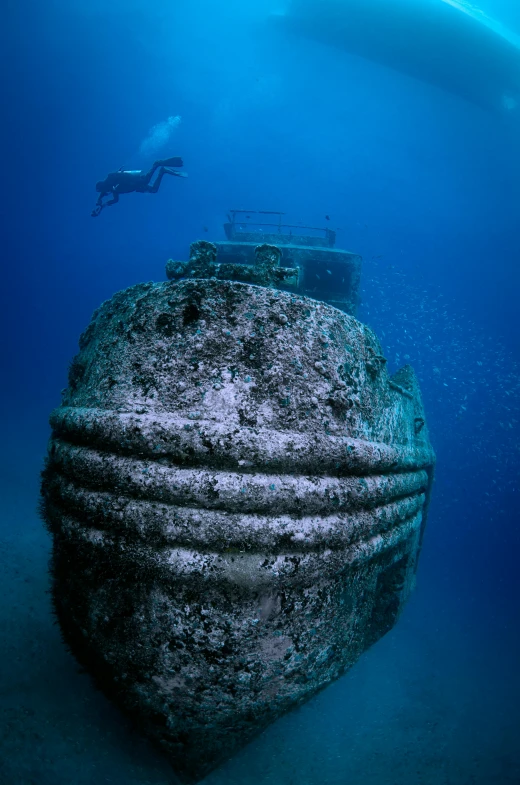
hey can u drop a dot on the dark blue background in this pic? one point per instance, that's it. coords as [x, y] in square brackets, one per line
[423, 185]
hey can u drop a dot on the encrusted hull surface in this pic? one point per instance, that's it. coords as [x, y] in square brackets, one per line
[237, 492]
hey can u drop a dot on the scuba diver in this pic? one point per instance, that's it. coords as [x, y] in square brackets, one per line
[126, 182]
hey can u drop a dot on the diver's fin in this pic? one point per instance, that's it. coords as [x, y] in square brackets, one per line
[175, 161]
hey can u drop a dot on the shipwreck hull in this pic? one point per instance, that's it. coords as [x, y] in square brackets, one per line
[237, 492]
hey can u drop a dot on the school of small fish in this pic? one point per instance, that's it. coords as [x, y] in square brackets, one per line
[469, 382]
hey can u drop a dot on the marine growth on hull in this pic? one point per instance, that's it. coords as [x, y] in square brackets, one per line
[236, 490]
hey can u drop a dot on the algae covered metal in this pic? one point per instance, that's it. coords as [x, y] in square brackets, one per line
[236, 490]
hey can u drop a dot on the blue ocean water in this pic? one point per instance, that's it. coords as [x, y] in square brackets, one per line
[424, 185]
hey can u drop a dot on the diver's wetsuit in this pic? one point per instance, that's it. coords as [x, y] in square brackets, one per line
[126, 182]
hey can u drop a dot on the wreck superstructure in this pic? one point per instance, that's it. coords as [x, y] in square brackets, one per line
[313, 265]
[237, 492]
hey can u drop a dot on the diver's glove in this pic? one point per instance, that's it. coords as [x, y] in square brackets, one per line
[95, 212]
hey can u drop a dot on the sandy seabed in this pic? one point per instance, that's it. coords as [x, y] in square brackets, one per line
[434, 703]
